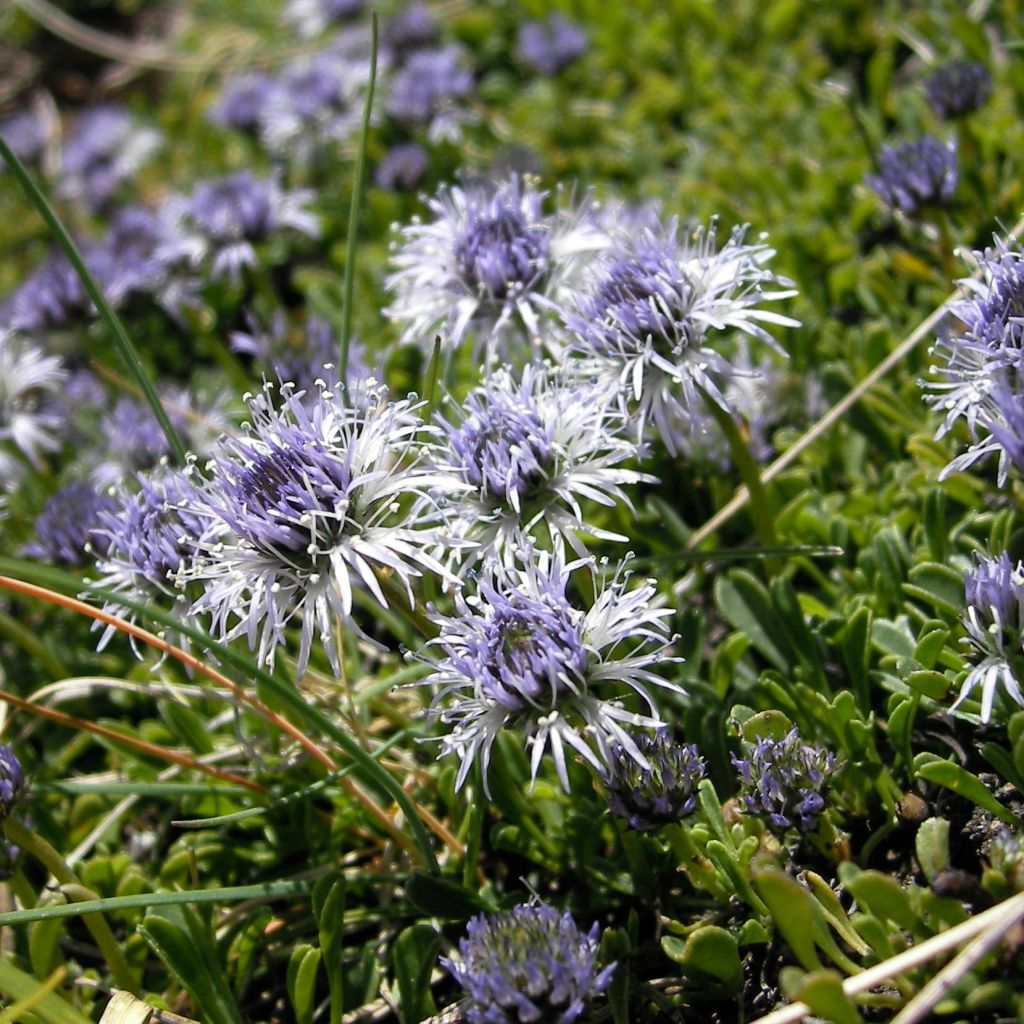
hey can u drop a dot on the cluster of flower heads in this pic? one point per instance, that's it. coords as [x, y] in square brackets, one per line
[958, 88]
[529, 964]
[994, 620]
[981, 348]
[785, 780]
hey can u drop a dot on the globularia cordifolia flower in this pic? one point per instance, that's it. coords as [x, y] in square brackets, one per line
[518, 655]
[300, 356]
[529, 452]
[661, 794]
[528, 965]
[105, 150]
[319, 100]
[490, 264]
[225, 219]
[656, 317]
[982, 351]
[12, 779]
[27, 377]
[994, 620]
[922, 172]
[784, 780]
[151, 539]
[958, 88]
[402, 168]
[310, 17]
[409, 29]
[244, 101]
[428, 90]
[65, 529]
[550, 45]
[313, 501]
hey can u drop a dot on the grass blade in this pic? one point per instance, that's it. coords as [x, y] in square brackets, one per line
[93, 290]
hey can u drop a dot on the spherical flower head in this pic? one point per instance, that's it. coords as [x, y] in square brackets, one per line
[402, 168]
[549, 46]
[12, 779]
[531, 964]
[223, 220]
[66, 528]
[994, 620]
[665, 792]
[151, 538]
[785, 779]
[958, 88]
[105, 150]
[135, 441]
[491, 264]
[922, 172]
[655, 318]
[244, 102]
[310, 505]
[409, 29]
[319, 100]
[528, 452]
[27, 378]
[518, 654]
[981, 344]
[428, 89]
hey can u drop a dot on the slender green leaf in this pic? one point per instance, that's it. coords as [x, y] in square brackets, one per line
[413, 957]
[52, 1009]
[93, 290]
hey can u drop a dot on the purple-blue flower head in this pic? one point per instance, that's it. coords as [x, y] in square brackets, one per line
[994, 620]
[429, 90]
[134, 441]
[105, 150]
[531, 452]
[402, 168]
[225, 219]
[319, 100]
[657, 315]
[663, 793]
[244, 101]
[549, 46]
[65, 529]
[958, 88]
[152, 537]
[982, 350]
[12, 779]
[409, 29]
[920, 173]
[785, 780]
[531, 964]
[313, 501]
[490, 264]
[517, 654]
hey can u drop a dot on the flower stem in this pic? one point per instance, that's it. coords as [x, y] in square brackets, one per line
[34, 844]
[760, 500]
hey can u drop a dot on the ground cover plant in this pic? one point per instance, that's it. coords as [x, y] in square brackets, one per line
[511, 513]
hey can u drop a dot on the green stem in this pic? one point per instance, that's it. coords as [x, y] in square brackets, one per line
[34, 844]
[353, 215]
[93, 290]
[760, 501]
[946, 247]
